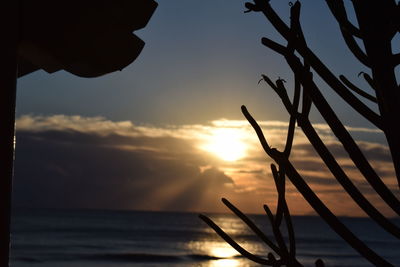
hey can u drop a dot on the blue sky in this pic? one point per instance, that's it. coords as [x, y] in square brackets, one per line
[202, 60]
[145, 137]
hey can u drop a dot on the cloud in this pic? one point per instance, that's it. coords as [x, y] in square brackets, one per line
[92, 162]
[72, 169]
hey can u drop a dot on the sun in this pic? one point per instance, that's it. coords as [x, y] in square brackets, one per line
[226, 143]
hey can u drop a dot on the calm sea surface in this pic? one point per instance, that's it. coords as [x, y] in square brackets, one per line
[61, 238]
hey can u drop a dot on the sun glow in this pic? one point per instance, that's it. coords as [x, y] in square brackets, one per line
[226, 254]
[223, 252]
[226, 143]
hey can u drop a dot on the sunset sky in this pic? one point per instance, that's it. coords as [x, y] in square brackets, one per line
[166, 133]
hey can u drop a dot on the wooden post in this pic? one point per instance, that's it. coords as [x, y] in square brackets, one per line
[8, 81]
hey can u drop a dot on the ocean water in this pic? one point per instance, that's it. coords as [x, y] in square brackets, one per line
[88, 238]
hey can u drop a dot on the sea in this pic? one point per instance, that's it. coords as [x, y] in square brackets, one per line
[104, 238]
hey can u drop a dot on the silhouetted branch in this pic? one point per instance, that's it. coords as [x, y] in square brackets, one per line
[252, 226]
[280, 49]
[307, 102]
[343, 135]
[351, 99]
[282, 209]
[295, 27]
[344, 180]
[376, 35]
[314, 62]
[279, 179]
[313, 200]
[281, 250]
[287, 258]
[338, 172]
[355, 48]
[396, 59]
[277, 233]
[357, 90]
[369, 80]
[278, 88]
[338, 10]
[235, 245]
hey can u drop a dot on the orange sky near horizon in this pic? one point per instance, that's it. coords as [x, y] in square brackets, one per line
[203, 163]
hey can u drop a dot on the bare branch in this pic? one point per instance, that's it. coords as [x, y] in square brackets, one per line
[335, 168]
[396, 59]
[272, 152]
[339, 12]
[355, 48]
[279, 89]
[344, 180]
[316, 203]
[290, 229]
[277, 234]
[283, 210]
[294, 26]
[252, 226]
[280, 49]
[357, 90]
[343, 135]
[369, 80]
[316, 64]
[231, 242]
[307, 102]
[280, 188]
[292, 121]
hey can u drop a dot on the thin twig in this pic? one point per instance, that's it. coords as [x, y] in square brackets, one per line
[357, 90]
[369, 80]
[231, 242]
[339, 12]
[279, 178]
[278, 235]
[252, 226]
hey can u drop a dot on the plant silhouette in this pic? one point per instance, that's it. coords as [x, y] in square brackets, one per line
[88, 39]
[377, 25]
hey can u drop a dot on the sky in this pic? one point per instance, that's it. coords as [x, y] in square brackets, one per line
[167, 133]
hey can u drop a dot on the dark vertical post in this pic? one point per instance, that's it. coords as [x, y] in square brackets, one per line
[8, 81]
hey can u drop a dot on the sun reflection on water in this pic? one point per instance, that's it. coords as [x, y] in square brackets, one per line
[226, 254]
[224, 263]
[218, 253]
[224, 251]
[222, 254]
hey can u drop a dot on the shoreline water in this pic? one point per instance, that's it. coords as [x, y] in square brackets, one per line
[88, 238]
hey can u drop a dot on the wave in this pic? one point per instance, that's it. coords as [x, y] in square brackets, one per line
[28, 260]
[130, 258]
[144, 257]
